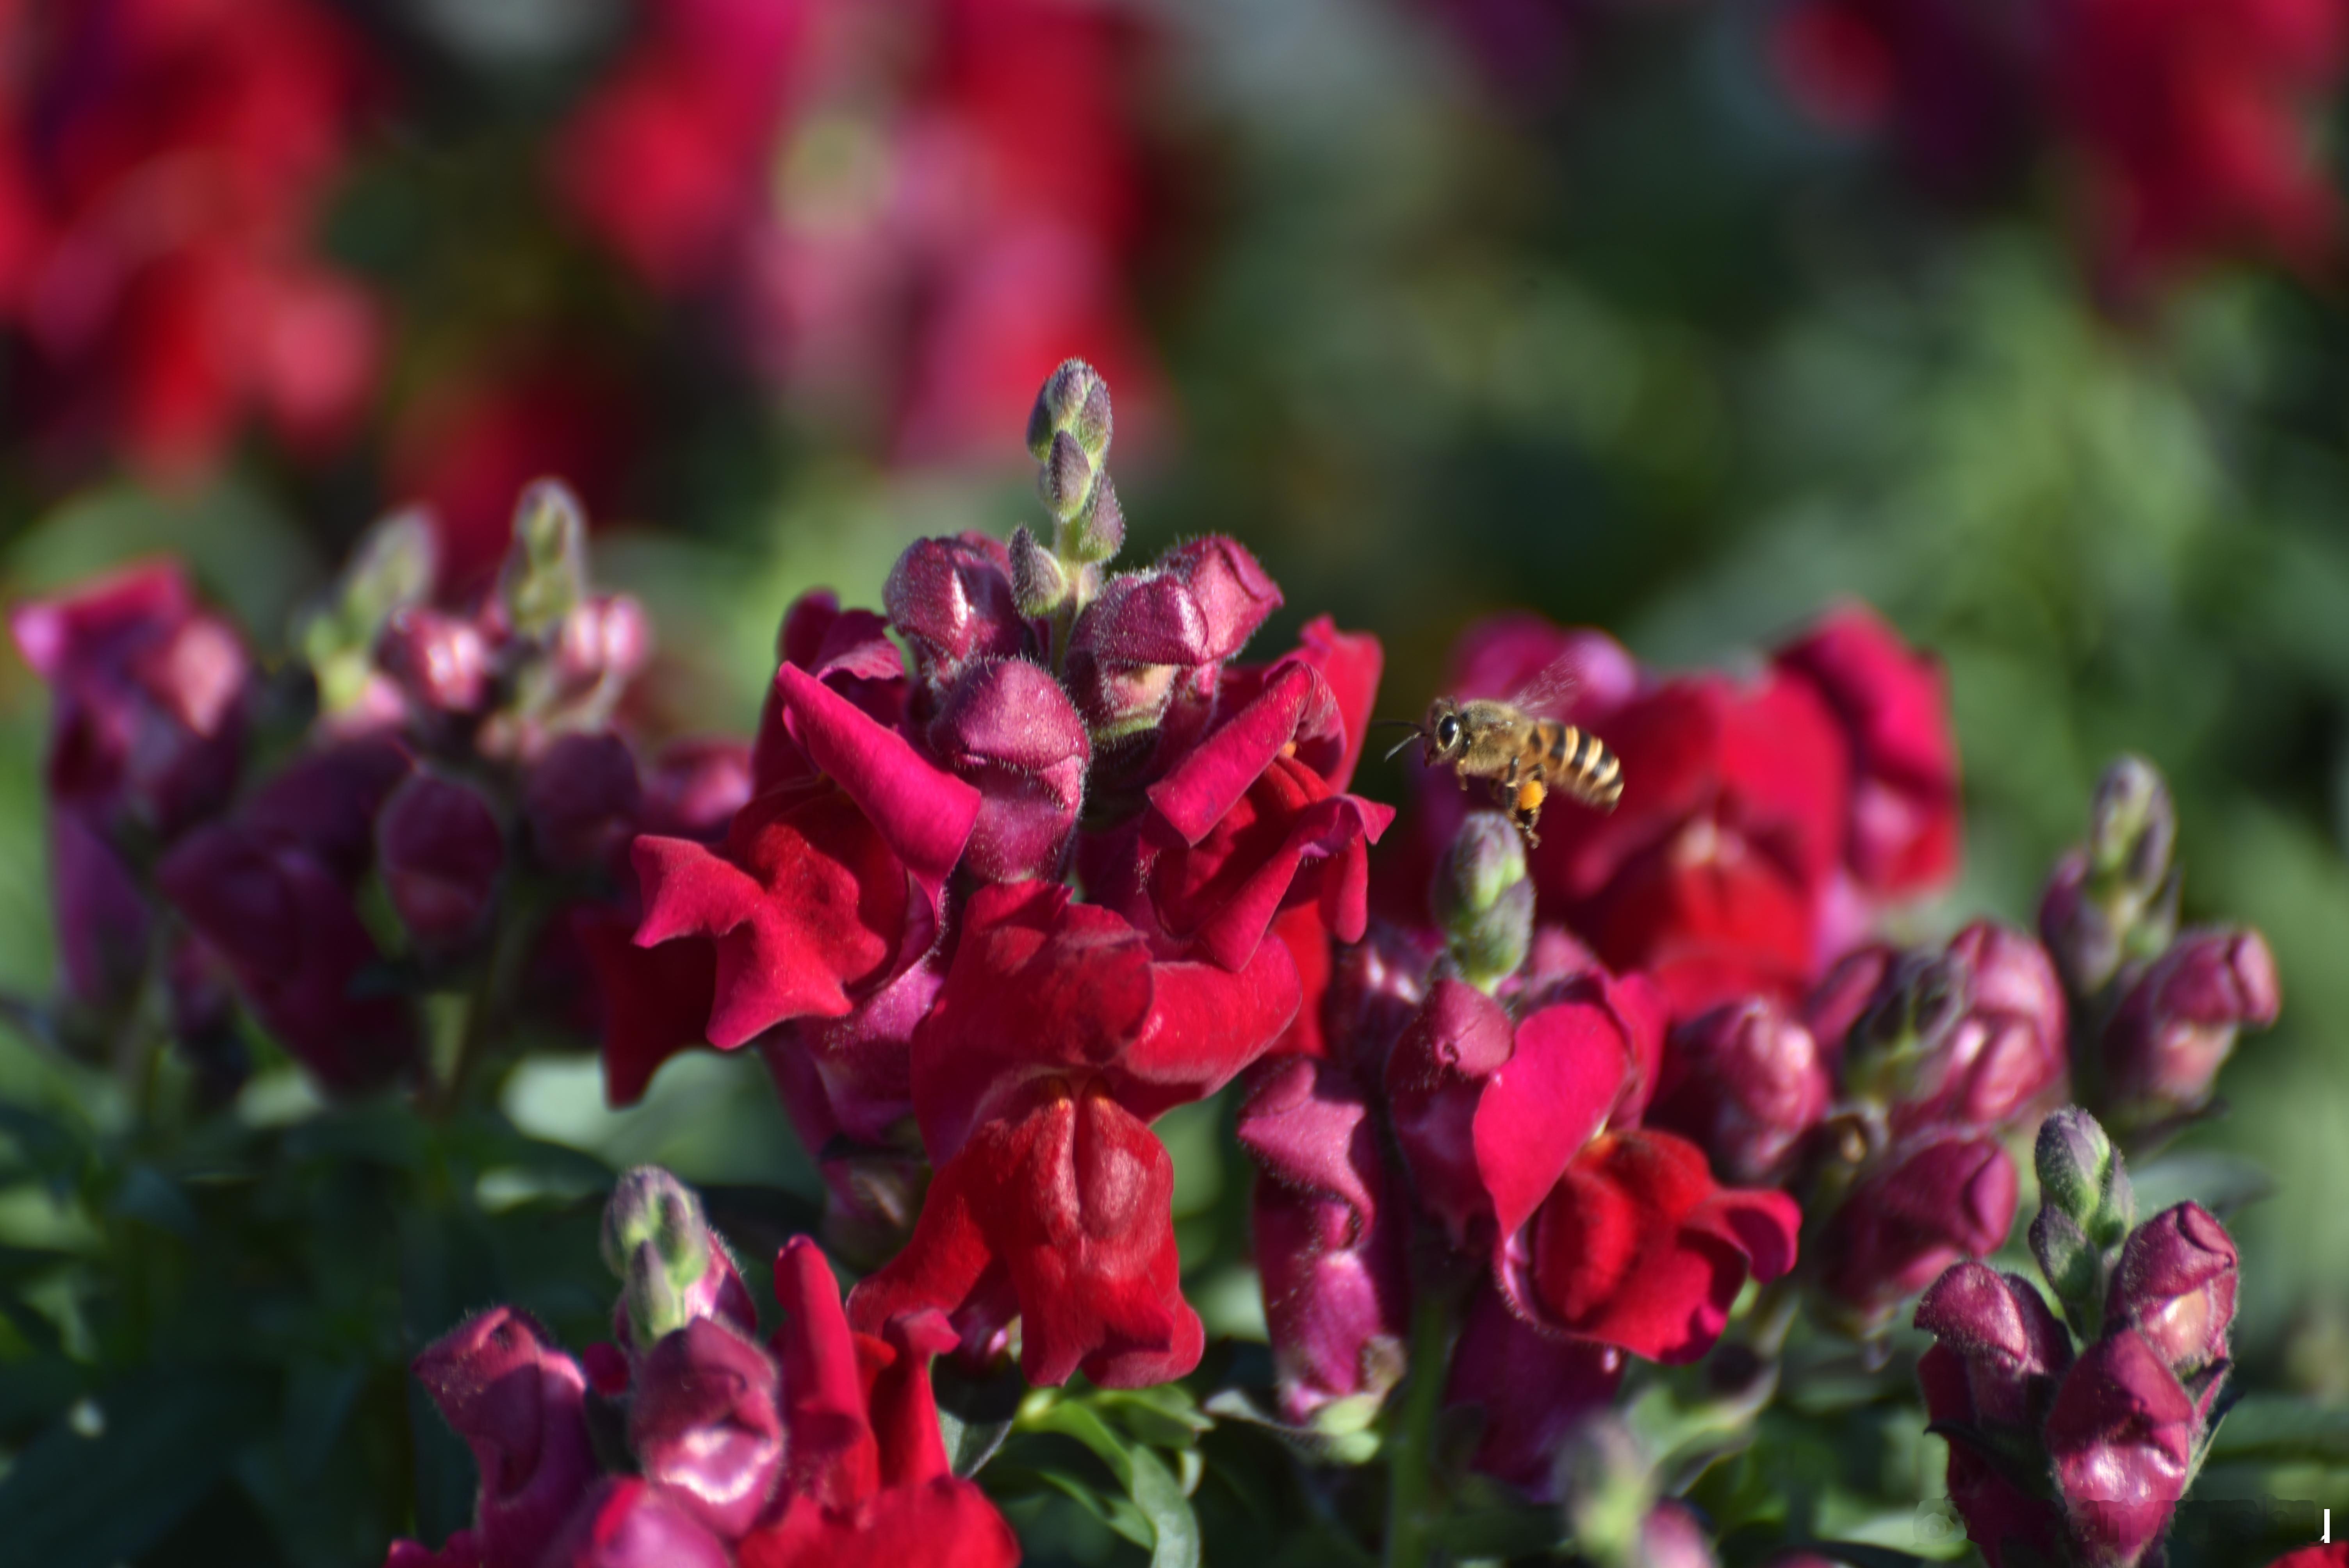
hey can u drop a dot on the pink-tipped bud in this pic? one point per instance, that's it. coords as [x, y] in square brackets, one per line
[695, 788]
[626, 1523]
[2175, 1026]
[1745, 1082]
[2175, 1284]
[439, 662]
[1672, 1537]
[441, 852]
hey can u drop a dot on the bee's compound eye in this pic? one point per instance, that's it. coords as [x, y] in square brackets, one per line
[1447, 730]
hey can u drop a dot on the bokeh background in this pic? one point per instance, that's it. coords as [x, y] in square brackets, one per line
[2022, 320]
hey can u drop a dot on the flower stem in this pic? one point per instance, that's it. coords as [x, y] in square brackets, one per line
[1412, 1508]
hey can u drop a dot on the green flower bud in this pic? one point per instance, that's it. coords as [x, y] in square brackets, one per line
[1482, 900]
[655, 1238]
[391, 570]
[2087, 1207]
[545, 572]
[1066, 480]
[1075, 400]
[2132, 825]
[1606, 1485]
[1098, 533]
[1038, 586]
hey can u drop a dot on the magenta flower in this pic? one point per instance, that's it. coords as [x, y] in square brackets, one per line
[1331, 1241]
[1008, 730]
[2174, 1286]
[706, 1426]
[1943, 1195]
[1533, 1386]
[2177, 1022]
[519, 1402]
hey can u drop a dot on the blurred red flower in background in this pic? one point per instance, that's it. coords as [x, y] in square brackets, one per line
[163, 165]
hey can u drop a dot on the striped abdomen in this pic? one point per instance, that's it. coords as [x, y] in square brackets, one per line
[1579, 763]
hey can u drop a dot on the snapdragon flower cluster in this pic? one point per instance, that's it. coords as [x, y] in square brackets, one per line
[1027, 857]
[2075, 1456]
[687, 1440]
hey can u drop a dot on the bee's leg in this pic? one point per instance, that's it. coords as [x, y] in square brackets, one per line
[1460, 772]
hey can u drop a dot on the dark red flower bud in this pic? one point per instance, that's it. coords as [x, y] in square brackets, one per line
[441, 851]
[2175, 1026]
[695, 788]
[706, 1425]
[1329, 1245]
[287, 929]
[1009, 728]
[583, 802]
[1745, 1082]
[1434, 1083]
[952, 600]
[2121, 1437]
[627, 1523]
[201, 1001]
[601, 646]
[439, 662]
[1894, 707]
[327, 801]
[1836, 1002]
[2008, 1056]
[2012, 1347]
[519, 1402]
[1146, 643]
[2175, 1284]
[1942, 1196]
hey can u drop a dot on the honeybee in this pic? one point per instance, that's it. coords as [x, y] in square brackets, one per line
[1526, 758]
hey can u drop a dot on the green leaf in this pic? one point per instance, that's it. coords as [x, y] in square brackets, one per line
[167, 1439]
[1146, 1480]
[1520, 1532]
[2275, 1430]
[2220, 1181]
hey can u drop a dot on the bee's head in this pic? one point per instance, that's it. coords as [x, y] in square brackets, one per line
[1442, 737]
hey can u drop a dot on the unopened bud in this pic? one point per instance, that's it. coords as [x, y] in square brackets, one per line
[2175, 1284]
[545, 572]
[1038, 586]
[1066, 480]
[657, 1241]
[440, 850]
[1917, 1004]
[1098, 533]
[2086, 1209]
[1745, 1082]
[1074, 400]
[1482, 900]
[1605, 1484]
[391, 569]
[1671, 1537]
[2132, 824]
[2082, 1176]
[439, 662]
[2175, 1026]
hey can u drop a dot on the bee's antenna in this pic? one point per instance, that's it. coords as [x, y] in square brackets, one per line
[1404, 744]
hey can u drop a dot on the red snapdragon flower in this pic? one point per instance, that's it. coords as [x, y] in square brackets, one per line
[1524, 1139]
[1057, 1037]
[1760, 820]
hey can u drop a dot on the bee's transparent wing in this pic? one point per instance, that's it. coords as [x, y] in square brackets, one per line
[1548, 691]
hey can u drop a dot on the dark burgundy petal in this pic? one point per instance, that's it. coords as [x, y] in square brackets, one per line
[1532, 1385]
[519, 1402]
[706, 1425]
